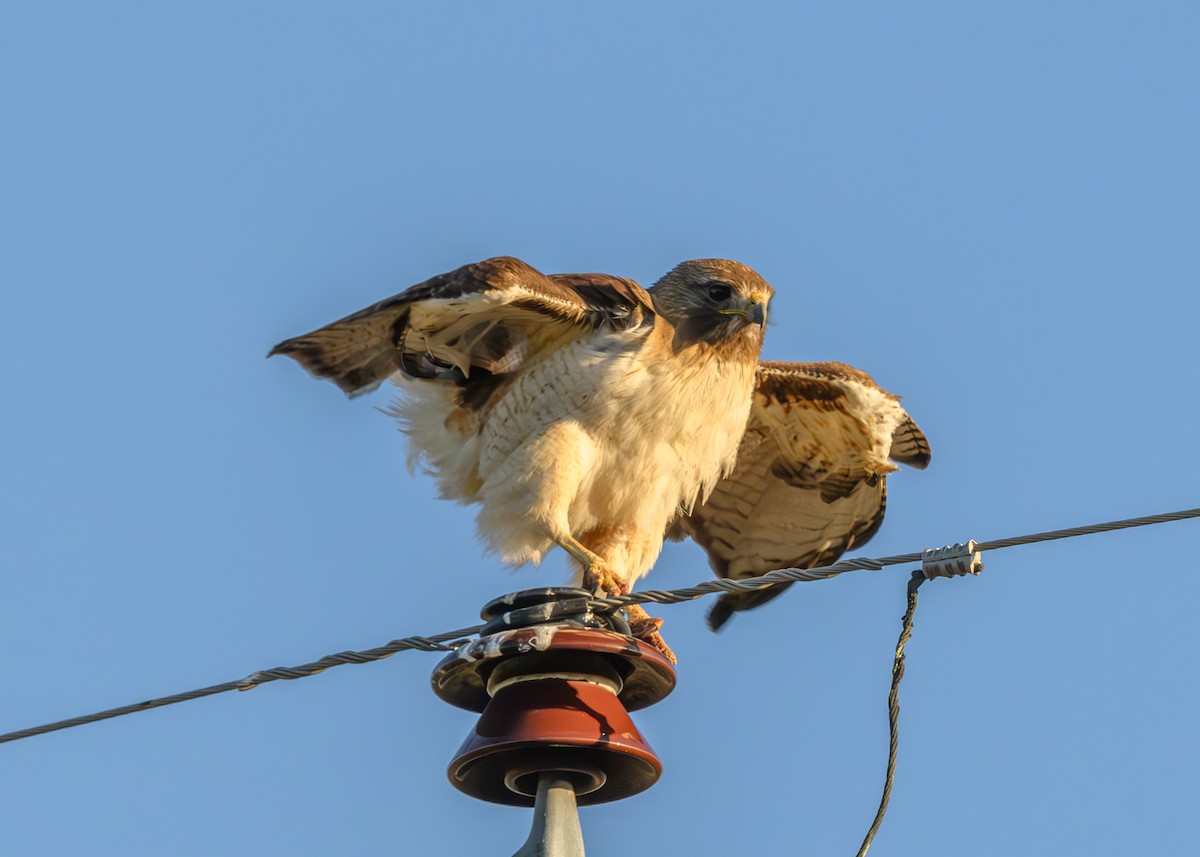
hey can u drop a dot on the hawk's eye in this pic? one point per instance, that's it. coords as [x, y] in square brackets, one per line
[719, 292]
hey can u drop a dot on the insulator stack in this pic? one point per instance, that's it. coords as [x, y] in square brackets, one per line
[554, 682]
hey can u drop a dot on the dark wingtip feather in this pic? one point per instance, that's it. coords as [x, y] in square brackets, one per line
[352, 355]
[735, 602]
[281, 348]
[720, 613]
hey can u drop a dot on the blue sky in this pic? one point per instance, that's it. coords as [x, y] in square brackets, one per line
[991, 207]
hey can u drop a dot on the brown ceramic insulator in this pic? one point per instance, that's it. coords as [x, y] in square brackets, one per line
[575, 726]
[554, 698]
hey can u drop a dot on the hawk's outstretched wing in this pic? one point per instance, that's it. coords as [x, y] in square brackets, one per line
[810, 478]
[489, 315]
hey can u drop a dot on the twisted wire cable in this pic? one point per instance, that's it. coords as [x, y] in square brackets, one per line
[823, 572]
[450, 640]
[436, 643]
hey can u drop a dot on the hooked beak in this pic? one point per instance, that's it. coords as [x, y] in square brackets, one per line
[755, 312]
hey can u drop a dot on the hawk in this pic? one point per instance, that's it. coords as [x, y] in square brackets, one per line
[586, 412]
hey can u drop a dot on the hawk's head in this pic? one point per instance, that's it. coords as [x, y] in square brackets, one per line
[714, 301]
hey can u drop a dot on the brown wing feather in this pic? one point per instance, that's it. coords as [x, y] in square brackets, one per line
[810, 479]
[909, 445]
[486, 315]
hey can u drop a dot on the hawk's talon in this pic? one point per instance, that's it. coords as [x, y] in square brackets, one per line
[598, 577]
[643, 628]
[656, 640]
[646, 628]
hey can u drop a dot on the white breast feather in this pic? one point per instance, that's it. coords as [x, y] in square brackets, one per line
[597, 433]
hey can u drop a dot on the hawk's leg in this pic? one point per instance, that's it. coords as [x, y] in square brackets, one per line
[598, 577]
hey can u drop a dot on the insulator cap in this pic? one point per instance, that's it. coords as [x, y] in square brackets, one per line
[461, 679]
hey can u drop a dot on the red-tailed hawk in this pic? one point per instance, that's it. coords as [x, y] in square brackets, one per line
[583, 411]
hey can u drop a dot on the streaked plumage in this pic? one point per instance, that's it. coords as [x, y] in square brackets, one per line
[585, 411]
[810, 481]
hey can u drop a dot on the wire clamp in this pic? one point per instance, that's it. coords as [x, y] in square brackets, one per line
[952, 561]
